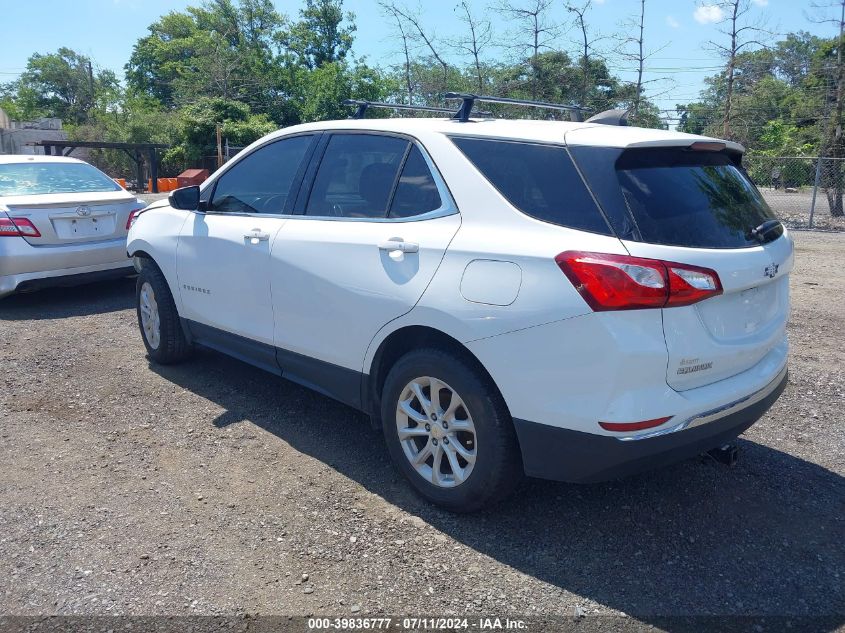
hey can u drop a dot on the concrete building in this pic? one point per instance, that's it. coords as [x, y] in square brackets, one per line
[14, 135]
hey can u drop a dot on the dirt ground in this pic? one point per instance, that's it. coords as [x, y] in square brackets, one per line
[213, 488]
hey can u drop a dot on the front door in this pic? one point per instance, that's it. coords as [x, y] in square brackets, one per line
[223, 256]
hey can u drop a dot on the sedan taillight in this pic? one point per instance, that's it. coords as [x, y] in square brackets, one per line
[133, 215]
[621, 282]
[18, 227]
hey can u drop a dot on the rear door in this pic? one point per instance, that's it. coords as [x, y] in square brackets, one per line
[698, 207]
[223, 256]
[375, 222]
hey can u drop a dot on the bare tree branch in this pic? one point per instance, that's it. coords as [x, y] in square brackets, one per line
[532, 21]
[473, 44]
[390, 9]
[735, 16]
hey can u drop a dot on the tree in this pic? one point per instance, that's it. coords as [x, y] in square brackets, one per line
[391, 11]
[738, 29]
[64, 85]
[580, 11]
[834, 143]
[532, 23]
[415, 23]
[221, 49]
[478, 37]
[632, 48]
[319, 38]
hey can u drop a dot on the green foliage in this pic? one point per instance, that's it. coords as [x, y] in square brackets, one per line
[318, 38]
[325, 88]
[64, 85]
[780, 95]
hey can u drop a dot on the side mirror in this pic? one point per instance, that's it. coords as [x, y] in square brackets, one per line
[186, 198]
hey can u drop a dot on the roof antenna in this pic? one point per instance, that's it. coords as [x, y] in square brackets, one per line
[361, 107]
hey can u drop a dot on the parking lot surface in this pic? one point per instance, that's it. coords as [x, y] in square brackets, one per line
[214, 488]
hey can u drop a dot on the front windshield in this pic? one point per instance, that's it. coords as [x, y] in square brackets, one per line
[29, 179]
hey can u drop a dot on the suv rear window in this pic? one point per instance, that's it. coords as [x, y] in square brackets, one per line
[697, 199]
[539, 180]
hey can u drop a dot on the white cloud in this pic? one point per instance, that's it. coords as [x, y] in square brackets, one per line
[708, 14]
[672, 22]
[761, 3]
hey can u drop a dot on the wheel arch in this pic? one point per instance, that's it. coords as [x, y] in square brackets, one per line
[403, 340]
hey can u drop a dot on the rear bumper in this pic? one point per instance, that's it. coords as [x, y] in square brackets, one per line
[22, 264]
[65, 277]
[565, 455]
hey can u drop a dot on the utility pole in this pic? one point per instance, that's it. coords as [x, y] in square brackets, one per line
[91, 83]
[219, 146]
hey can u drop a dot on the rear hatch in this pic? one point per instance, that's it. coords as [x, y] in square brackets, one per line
[73, 218]
[694, 205]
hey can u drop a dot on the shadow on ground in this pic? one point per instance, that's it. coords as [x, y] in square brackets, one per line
[71, 301]
[761, 538]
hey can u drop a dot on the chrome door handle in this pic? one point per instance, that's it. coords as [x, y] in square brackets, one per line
[257, 236]
[396, 244]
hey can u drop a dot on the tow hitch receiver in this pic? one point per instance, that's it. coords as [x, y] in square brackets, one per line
[727, 454]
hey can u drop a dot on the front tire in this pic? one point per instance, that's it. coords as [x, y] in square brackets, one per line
[449, 432]
[158, 319]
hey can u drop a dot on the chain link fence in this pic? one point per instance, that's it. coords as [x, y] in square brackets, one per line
[801, 190]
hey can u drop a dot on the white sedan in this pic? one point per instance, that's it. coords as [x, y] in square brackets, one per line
[62, 221]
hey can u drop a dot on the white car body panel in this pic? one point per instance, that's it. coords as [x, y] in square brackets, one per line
[156, 233]
[224, 272]
[333, 288]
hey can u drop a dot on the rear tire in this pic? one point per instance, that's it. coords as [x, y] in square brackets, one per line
[457, 448]
[158, 319]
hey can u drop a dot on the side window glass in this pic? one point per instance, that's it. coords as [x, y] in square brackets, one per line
[416, 192]
[261, 182]
[539, 180]
[357, 176]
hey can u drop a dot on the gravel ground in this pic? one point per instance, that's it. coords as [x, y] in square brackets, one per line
[214, 488]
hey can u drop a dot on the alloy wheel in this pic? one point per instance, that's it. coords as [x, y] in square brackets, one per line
[436, 432]
[150, 320]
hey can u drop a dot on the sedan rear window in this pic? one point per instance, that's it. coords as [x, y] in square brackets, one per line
[697, 199]
[29, 179]
[539, 180]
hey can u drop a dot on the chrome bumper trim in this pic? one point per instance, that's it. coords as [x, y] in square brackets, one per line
[718, 412]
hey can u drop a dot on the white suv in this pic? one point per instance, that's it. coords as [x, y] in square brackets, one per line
[572, 301]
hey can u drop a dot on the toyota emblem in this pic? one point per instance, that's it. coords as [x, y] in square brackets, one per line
[83, 211]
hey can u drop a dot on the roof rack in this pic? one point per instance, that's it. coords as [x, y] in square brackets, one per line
[363, 105]
[468, 101]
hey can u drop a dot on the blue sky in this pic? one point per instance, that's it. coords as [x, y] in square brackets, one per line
[106, 30]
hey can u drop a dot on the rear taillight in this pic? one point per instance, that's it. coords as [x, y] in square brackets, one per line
[18, 227]
[621, 282]
[133, 215]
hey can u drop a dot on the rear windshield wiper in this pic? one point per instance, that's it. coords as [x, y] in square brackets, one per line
[767, 232]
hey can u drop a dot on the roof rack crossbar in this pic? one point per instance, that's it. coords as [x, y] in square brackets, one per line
[468, 101]
[363, 105]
